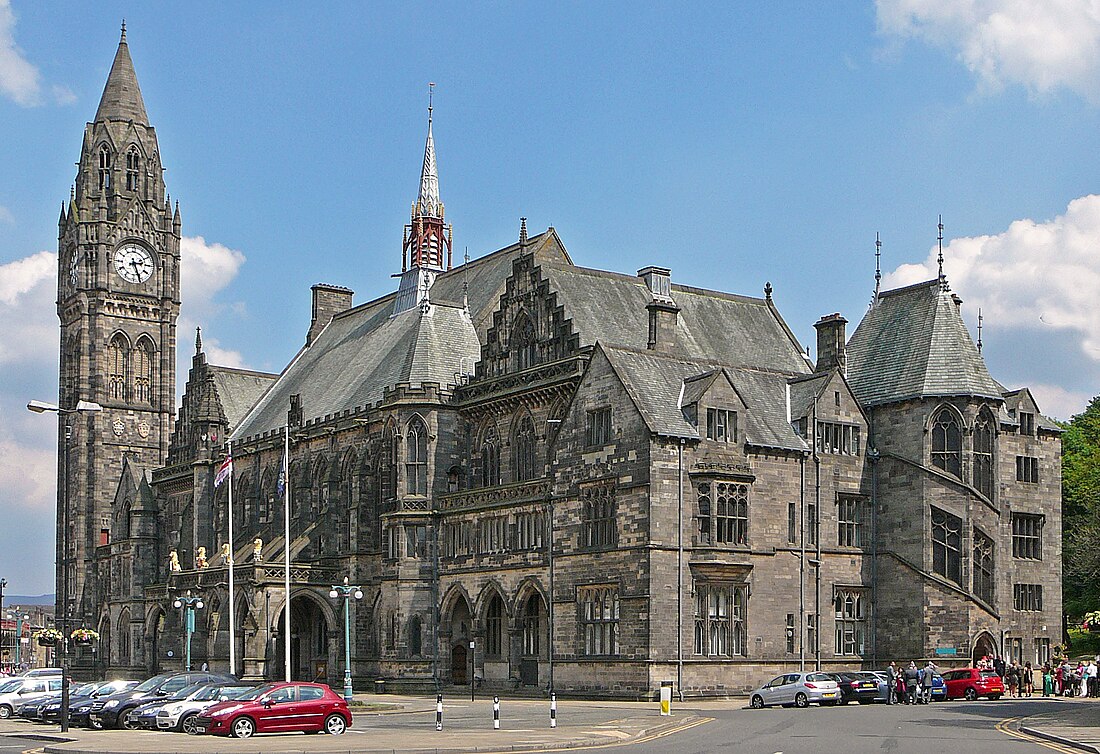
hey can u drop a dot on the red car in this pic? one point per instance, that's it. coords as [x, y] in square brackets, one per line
[278, 708]
[970, 683]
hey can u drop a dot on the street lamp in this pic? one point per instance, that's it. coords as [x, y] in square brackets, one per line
[346, 592]
[19, 618]
[190, 605]
[82, 407]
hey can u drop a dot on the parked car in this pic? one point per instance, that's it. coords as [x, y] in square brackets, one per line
[20, 690]
[81, 704]
[799, 689]
[40, 672]
[970, 683]
[856, 687]
[939, 688]
[144, 715]
[31, 709]
[181, 715]
[112, 711]
[278, 707]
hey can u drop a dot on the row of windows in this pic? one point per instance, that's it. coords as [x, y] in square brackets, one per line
[525, 457]
[837, 439]
[1027, 597]
[495, 534]
[947, 449]
[133, 166]
[130, 370]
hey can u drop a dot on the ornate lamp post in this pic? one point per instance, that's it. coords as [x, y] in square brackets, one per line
[82, 407]
[189, 605]
[19, 618]
[346, 592]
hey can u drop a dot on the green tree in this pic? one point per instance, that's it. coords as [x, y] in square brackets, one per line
[1081, 512]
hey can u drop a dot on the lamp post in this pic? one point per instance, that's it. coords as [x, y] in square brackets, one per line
[346, 592]
[189, 605]
[82, 407]
[19, 618]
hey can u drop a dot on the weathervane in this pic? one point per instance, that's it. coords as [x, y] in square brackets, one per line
[943, 280]
[980, 320]
[878, 269]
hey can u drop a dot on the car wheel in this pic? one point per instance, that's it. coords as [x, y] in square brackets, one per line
[971, 695]
[243, 727]
[801, 700]
[5, 712]
[757, 702]
[95, 724]
[187, 724]
[125, 721]
[335, 725]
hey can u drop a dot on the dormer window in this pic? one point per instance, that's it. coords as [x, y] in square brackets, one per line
[721, 425]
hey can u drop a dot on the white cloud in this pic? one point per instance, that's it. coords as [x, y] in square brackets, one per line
[207, 268]
[27, 288]
[18, 78]
[1043, 45]
[1059, 403]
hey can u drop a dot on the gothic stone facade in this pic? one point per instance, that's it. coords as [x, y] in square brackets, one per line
[601, 481]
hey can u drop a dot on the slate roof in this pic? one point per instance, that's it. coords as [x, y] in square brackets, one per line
[121, 98]
[913, 343]
[238, 390]
[803, 392]
[655, 383]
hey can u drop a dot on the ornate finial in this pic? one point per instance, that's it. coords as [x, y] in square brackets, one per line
[198, 340]
[431, 90]
[878, 268]
[940, 258]
[466, 279]
[123, 32]
[523, 230]
[768, 291]
[980, 320]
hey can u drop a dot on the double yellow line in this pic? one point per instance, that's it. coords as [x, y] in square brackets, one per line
[1004, 727]
[687, 725]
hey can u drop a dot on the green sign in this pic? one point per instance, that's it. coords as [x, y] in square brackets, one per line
[946, 651]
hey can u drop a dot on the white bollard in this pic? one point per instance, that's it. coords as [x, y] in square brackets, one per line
[553, 710]
[439, 712]
[496, 713]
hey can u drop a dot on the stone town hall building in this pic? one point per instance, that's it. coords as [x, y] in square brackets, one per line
[602, 480]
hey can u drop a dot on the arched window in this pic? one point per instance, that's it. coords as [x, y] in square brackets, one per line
[415, 640]
[494, 627]
[490, 458]
[124, 638]
[416, 458]
[387, 467]
[132, 162]
[522, 343]
[524, 444]
[532, 626]
[983, 453]
[105, 168]
[947, 442]
[144, 356]
[118, 355]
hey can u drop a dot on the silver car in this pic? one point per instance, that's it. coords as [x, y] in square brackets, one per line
[799, 689]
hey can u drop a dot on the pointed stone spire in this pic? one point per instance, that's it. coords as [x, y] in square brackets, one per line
[198, 340]
[177, 221]
[121, 98]
[427, 200]
[426, 242]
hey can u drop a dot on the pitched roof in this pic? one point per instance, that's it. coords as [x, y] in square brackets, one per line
[238, 390]
[121, 98]
[913, 343]
[803, 392]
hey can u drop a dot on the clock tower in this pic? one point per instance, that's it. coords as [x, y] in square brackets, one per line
[118, 297]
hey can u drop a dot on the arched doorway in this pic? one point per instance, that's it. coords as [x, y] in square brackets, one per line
[154, 629]
[309, 642]
[984, 646]
[461, 626]
[532, 615]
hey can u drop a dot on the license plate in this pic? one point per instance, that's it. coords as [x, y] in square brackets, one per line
[829, 694]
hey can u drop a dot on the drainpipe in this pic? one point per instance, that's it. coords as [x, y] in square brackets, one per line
[680, 570]
[873, 457]
[801, 627]
[817, 541]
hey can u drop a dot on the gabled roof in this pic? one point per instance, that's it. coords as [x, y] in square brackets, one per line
[804, 391]
[121, 98]
[913, 343]
[238, 390]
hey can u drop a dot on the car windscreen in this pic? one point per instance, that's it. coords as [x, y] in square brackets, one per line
[85, 689]
[233, 692]
[989, 674]
[150, 684]
[186, 692]
[10, 685]
[257, 692]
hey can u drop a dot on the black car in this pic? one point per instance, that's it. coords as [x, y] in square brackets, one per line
[80, 704]
[856, 687]
[144, 715]
[112, 711]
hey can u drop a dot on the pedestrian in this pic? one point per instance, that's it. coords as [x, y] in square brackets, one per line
[1060, 678]
[1012, 679]
[912, 676]
[999, 666]
[1048, 680]
[927, 677]
[1094, 681]
[892, 678]
[1028, 678]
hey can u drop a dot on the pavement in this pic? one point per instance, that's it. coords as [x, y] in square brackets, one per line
[407, 724]
[1074, 723]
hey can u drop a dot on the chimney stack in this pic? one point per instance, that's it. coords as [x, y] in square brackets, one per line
[328, 301]
[663, 311]
[830, 343]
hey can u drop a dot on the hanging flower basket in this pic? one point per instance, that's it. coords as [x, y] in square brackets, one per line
[49, 637]
[83, 637]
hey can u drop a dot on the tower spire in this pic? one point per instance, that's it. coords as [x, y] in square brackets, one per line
[121, 98]
[427, 241]
[198, 340]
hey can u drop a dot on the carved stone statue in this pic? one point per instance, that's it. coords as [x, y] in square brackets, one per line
[227, 555]
[174, 562]
[200, 558]
[257, 550]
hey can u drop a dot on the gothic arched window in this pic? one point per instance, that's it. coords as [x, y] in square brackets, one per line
[522, 343]
[132, 162]
[118, 356]
[123, 633]
[494, 627]
[490, 459]
[144, 356]
[947, 442]
[105, 168]
[416, 458]
[524, 442]
[387, 468]
[983, 453]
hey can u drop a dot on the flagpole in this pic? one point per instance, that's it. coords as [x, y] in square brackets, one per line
[286, 549]
[232, 551]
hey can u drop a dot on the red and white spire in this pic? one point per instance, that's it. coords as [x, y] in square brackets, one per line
[427, 240]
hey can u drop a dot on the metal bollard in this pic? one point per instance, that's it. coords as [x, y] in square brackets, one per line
[439, 712]
[553, 710]
[496, 713]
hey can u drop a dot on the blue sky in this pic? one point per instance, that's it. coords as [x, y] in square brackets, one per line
[736, 143]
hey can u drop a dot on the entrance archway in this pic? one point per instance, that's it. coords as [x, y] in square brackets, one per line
[984, 646]
[461, 625]
[533, 627]
[309, 642]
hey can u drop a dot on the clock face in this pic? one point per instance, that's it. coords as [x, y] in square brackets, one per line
[133, 263]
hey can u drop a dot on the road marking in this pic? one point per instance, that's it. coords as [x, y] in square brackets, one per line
[644, 739]
[1003, 727]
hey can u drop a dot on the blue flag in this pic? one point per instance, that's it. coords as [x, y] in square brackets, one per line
[281, 484]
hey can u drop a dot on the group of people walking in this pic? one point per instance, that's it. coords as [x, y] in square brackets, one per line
[911, 685]
[1066, 679]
